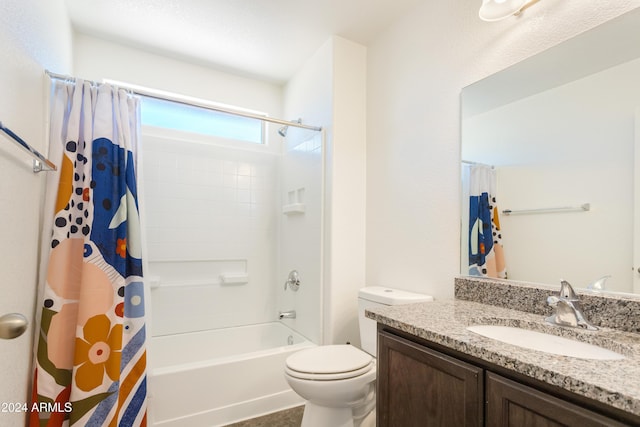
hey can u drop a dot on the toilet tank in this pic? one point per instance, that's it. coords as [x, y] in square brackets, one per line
[379, 296]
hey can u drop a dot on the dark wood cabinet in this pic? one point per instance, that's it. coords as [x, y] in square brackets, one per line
[422, 386]
[513, 404]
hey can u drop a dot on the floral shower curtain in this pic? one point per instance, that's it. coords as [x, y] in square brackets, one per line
[90, 367]
[486, 254]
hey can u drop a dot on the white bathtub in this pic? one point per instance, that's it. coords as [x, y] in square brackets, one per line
[217, 377]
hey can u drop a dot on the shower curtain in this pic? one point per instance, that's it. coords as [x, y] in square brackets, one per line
[486, 254]
[90, 362]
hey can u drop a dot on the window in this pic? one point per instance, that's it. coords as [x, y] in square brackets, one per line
[190, 118]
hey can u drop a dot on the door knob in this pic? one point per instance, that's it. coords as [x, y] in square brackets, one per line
[12, 325]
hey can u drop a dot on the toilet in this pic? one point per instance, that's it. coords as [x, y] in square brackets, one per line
[338, 381]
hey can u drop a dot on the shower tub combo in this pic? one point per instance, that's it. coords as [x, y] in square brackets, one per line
[217, 240]
[216, 377]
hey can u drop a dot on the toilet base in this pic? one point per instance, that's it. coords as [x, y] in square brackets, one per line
[322, 416]
[367, 421]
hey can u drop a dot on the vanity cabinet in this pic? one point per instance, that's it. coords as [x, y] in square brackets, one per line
[510, 403]
[421, 386]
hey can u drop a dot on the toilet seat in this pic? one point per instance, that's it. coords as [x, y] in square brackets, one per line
[329, 377]
[329, 363]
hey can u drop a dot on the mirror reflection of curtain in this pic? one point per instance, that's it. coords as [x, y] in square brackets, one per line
[485, 250]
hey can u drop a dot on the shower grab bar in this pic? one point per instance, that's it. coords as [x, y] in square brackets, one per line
[582, 208]
[40, 163]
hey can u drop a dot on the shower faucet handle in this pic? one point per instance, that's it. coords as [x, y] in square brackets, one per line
[293, 281]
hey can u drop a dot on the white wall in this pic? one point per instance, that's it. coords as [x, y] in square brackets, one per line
[347, 183]
[416, 70]
[34, 36]
[565, 146]
[97, 59]
[330, 91]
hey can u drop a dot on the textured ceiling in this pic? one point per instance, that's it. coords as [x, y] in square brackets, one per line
[268, 39]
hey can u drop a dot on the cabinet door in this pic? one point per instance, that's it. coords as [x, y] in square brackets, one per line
[515, 405]
[421, 387]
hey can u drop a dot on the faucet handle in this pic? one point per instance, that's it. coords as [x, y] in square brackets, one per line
[598, 284]
[552, 301]
[293, 281]
[567, 292]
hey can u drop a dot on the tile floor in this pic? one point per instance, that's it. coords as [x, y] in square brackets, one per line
[288, 418]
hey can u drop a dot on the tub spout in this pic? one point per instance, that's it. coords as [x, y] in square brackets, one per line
[291, 314]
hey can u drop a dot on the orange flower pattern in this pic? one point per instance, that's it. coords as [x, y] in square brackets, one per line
[98, 352]
[121, 247]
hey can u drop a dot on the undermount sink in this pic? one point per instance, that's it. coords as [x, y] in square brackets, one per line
[547, 343]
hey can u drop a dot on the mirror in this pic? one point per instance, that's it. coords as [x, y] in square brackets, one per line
[562, 130]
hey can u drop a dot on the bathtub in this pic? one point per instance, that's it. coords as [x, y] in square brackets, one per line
[217, 377]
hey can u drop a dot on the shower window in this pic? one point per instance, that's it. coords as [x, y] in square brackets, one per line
[190, 118]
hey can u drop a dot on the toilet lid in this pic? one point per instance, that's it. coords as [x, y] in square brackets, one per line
[330, 377]
[330, 360]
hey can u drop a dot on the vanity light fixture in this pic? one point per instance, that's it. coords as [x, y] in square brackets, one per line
[495, 10]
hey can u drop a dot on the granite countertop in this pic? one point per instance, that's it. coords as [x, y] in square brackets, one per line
[615, 383]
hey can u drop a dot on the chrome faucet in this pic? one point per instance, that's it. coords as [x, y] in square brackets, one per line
[291, 314]
[568, 311]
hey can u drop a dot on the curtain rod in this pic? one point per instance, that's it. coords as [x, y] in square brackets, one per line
[193, 102]
[469, 162]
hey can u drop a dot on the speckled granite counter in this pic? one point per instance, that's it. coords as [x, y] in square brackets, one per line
[610, 310]
[615, 383]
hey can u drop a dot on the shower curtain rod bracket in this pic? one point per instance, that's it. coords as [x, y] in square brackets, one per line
[37, 166]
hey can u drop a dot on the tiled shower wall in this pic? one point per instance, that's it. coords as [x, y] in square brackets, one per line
[210, 211]
[301, 233]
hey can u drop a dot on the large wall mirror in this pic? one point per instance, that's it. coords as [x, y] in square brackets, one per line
[561, 130]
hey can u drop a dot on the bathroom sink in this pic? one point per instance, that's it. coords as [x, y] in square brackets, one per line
[547, 343]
